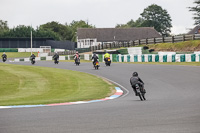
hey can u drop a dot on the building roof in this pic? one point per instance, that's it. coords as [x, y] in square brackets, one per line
[195, 30]
[117, 34]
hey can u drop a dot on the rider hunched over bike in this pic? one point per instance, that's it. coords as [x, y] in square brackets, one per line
[56, 56]
[4, 56]
[136, 80]
[95, 58]
[32, 56]
[76, 56]
[106, 56]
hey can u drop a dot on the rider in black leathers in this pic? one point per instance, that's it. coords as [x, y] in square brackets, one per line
[56, 56]
[95, 58]
[136, 80]
[32, 56]
[4, 55]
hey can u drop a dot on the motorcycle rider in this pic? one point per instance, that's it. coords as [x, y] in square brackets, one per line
[76, 56]
[135, 79]
[95, 58]
[56, 56]
[106, 56]
[32, 56]
[4, 55]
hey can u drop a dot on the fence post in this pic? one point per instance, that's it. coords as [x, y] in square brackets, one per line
[172, 39]
[183, 38]
[133, 43]
[163, 39]
[138, 42]
[193, 37]
[146, 41]
[154, 40]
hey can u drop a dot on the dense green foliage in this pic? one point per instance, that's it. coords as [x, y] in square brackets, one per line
[158, 18]
[152, 16]
[196, 11]
[52, 29]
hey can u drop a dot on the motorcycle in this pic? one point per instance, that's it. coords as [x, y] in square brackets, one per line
[107, 61]
[96, 65]
[33, 61]
[4, 59]
[140, 92]
[77, 61]
[56, 60]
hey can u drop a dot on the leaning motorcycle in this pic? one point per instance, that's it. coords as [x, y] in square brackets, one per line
[140, 92]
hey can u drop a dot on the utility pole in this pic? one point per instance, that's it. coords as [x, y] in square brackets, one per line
[31, 40]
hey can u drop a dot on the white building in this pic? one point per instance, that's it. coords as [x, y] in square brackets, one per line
[87, 37]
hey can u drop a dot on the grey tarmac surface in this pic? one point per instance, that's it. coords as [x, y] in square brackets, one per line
[172, 106]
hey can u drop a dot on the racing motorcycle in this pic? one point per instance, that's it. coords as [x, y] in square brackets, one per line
[77, 61]
[140, 92]
[107, 61]
[56, 60]
[96, 65]
[4, 59]
[33, 61]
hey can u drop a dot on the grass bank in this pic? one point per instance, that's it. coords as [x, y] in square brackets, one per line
[18, 54]
[187, 46]
[29, 85]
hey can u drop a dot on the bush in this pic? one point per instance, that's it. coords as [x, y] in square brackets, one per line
[145, 47]
[151, 50]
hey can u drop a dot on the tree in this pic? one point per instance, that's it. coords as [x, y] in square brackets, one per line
[155, 16]
[74, 25]
[131, 23]
[3, 27]
[60, 29]
[196, 11]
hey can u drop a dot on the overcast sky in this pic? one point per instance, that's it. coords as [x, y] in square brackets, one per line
[101, 13]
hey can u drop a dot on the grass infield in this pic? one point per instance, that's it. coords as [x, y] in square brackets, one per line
[18, 54]
[30, 85]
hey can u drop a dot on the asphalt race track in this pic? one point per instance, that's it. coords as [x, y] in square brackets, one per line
[172, 106]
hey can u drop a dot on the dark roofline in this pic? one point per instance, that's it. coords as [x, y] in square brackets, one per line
[117, 34]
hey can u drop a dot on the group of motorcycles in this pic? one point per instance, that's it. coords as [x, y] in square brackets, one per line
[107, 63]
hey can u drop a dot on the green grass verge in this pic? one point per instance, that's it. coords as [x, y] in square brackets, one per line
[29, 85]
[18, 54]
[187, 46]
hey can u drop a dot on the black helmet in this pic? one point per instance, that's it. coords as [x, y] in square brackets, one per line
[135, 74]
[94, 54]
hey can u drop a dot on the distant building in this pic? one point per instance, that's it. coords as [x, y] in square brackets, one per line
[195, 30]
[87, 37]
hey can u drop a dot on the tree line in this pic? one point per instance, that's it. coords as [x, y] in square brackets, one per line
[52, 29]
[152, 16]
